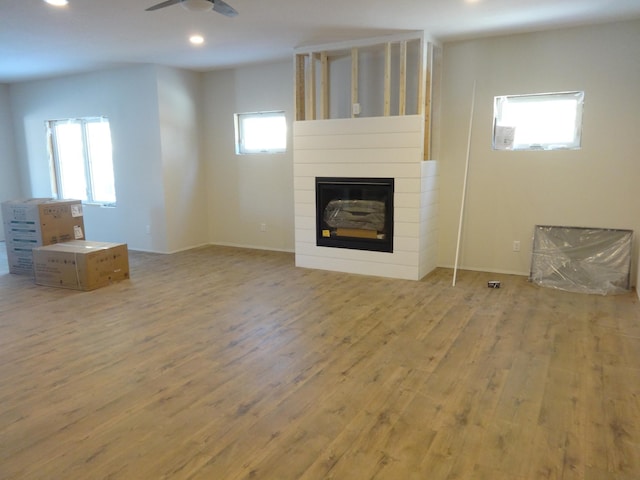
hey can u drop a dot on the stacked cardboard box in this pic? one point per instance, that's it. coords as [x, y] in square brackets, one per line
[81, 264]
[45, 238]
[38, 222]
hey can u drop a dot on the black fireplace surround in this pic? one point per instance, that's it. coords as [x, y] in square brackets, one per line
[355, 213]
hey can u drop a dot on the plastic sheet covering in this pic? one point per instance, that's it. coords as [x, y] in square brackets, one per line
[583, 260]
[362, 214]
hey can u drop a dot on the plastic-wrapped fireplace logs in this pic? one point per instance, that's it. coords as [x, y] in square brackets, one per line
[360, 214]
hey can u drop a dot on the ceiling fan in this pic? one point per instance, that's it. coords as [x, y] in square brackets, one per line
[199, 5]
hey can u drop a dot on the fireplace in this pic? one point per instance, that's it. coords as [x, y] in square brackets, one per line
[355, 213]
[385, 147]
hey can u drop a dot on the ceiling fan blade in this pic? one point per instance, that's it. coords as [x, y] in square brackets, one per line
[224, 8]
[167, 3]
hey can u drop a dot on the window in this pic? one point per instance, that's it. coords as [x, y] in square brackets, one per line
[261, 132]
[82, 161]
[544, 121]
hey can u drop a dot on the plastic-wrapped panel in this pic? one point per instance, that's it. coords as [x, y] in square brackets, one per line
[584, 260]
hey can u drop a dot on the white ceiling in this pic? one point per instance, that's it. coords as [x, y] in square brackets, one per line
[37, 40]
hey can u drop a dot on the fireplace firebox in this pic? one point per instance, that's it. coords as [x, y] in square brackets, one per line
[355, 213]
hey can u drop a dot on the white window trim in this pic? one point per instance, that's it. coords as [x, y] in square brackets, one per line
[239, 134]
[55, 161]
[503, 134]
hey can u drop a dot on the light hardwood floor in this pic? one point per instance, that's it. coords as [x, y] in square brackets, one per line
[223, 363]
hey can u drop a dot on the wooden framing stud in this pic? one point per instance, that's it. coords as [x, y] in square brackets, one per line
[426, 103]
[300, 95]
[324, 86]
[311, 88]
[402, 87]
[387, 79]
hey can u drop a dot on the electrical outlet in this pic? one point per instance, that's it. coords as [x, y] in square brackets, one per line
[516, 245]
[263, 227]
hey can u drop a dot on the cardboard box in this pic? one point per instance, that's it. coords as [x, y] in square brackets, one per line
[81, 264]
[38, 222]
[20, 260]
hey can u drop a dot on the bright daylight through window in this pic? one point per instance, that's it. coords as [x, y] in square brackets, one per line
[545, 121]
[82, 159]
[261, 132]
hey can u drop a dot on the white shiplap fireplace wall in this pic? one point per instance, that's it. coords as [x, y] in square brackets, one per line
[368, 147]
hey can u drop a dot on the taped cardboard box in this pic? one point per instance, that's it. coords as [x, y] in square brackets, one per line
[81, 264]
[38, 222]
[20, 259]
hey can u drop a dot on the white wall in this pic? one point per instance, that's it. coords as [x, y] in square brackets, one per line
[154, 118]
[245, 191]
[179, 96]
[510, 192]
[129, 98]
[160, 182]
[164, 122]
[9, 177]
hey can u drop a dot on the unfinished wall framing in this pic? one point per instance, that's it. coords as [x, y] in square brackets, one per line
[388, 76]
[366, 110]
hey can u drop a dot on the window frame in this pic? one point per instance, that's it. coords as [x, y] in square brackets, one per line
[240, 132]
[504, 136]
[89, 177]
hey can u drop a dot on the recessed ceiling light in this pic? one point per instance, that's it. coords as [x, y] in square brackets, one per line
[196, 39]
[57, 3]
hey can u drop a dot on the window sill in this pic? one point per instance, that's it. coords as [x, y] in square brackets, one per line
[100, 205]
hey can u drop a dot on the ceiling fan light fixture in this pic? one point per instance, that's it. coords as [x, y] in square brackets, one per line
[57, 3]
[196, 5]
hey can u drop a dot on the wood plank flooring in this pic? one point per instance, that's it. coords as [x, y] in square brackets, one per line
[223, 363]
